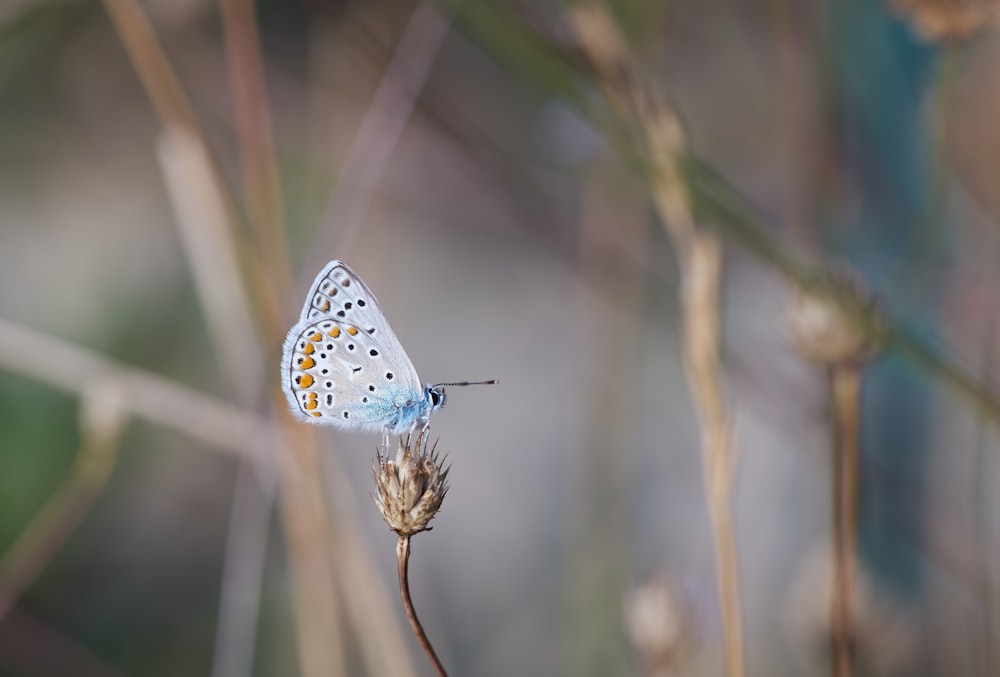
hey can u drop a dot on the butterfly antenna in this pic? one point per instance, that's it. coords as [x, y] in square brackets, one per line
[469, 383]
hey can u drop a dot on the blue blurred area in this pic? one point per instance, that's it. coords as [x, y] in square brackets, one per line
[881, 82]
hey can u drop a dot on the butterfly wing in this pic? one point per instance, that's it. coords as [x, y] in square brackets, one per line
[338, 293]
[342, 364]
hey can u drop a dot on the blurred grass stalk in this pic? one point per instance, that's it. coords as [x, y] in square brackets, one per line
[304, 514]
[700, 256]
[69, 367]
[102, 419]
[262, 196]
[845, 390]
[538, 48]
[378, 135]
[202, 202]
[208, 244]
[700, 294]
[319, 632]
[835, 324]
[599, 544]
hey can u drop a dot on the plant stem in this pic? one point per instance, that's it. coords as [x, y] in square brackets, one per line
[700, 289]
[699, 253]
[845, 385]
[403, 565]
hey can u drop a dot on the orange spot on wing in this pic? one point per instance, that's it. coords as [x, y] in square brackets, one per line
[306, 381]
[315, 336]
[316, 413]
[309, 349]
[325, 305]
[352, 330]
[334, 333]
[307, 363]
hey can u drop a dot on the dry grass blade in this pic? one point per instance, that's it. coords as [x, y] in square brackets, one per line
[261, 185]
[318, 630]
[379, 133]
[151, 63]
[702, 343]
[157, 399]
[307, 528]
[208, 242]
[700, 256]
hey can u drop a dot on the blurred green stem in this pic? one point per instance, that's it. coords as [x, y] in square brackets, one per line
[101, 425]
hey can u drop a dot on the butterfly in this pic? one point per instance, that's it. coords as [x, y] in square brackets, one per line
[342, 364]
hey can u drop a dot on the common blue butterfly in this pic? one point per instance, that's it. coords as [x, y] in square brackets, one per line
[342, 364]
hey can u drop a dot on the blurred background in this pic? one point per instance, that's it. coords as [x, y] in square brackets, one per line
[173, 174]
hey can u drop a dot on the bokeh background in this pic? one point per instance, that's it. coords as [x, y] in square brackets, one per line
[160, 515]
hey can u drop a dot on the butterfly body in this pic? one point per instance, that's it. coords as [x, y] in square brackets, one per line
[342, 364]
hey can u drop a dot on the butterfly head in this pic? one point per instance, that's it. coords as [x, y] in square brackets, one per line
[435, 396]
[434, 393]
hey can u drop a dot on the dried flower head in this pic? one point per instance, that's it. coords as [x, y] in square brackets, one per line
[833, 322]
[940, 20]
[410, 488]
[658, 623]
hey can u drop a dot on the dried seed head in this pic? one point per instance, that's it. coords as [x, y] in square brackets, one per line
[941, 20]
[658, 624]
[411, 487]
[833, 322]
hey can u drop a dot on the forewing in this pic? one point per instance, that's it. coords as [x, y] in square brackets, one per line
[338, 293]
[336, 373]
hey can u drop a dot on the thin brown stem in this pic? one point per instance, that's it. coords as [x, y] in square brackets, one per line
[151, 64]
[845, 383]
[403, 564]
[261, 185]
[380, 131]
